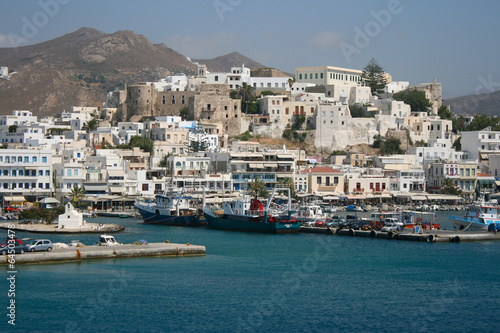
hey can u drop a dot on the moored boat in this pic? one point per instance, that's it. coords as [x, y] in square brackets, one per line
[169, 209]
[251, 215]
[478, 217]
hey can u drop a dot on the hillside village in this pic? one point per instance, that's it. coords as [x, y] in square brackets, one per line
[192, 132]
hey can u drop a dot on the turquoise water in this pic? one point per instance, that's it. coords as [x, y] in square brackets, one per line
[264, 283]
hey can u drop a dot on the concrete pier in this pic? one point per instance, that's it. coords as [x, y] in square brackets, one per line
[88, 228]
[106, 252]
[447, 236]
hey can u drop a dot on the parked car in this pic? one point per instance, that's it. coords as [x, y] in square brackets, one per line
[17, 247]
[391, 227]
[494, 227]
[361, 225]
[12, 209]
[319, 223]
[39, 245]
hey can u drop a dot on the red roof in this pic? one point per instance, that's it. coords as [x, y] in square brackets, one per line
[481, 174]
[321, 170]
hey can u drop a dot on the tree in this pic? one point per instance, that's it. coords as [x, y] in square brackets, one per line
[391, 146]
[92, 125]
[198, 139]
[338, 152]
[448, 187]
[416, 99]
[444, 112]
[256, 188]
[374, 77]
[288, 182]
[357, 111]
[245, 92]
[298, 122]
[145, 144]
[481, 121]
[457, 144]
[377, 141]
[163, 161]
[76, 193]
[184, 112]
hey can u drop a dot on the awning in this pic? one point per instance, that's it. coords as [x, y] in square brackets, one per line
[271, 165]
[96, 187]
[15, 198]
[116, 173]
[497, 182]
[486, 181]
[50, 201]
[284, 156]
[354, 197]
[256, 165]
[115, 189]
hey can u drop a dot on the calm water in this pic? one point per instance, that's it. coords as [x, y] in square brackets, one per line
[264, 283]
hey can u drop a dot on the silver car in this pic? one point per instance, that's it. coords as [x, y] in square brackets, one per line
[39, 245]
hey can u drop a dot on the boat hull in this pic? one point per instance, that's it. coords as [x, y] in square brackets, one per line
[473, 223]
[150, 216]
[250, 223]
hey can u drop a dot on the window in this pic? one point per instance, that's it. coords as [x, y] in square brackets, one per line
[47, 185]
[19, 158]
[34, 159]
[69, 173]
[14, 173]
[33, 173]
[318, 180]
[40, 172]
[7, 159]
[44, 159]
[26, 159]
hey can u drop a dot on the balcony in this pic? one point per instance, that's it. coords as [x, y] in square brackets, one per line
[207, 110]
[358, 190]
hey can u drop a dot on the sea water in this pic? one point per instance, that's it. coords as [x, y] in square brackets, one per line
[262, 283]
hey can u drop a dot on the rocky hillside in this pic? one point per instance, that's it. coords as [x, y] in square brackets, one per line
[488, 103]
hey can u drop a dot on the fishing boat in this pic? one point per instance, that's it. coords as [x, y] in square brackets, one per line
[250, 215]
[170, 208]
[310, 213]
[478, 217]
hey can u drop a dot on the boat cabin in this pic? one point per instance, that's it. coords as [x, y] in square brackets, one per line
[107, 240]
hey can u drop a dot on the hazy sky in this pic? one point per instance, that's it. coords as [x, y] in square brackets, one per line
[456, 42]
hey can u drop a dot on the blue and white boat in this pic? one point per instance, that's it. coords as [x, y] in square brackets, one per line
[169, 209]
[478, 217]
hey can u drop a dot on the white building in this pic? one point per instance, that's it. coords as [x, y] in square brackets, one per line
[18, 118]
[328, 75]
[26, 172]
[71, 219]
[479, 144]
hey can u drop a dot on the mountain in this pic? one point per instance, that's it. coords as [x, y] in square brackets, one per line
[225, 62]
[79, 68]
[487, 103]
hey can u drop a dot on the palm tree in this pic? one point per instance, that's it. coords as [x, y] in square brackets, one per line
[246, 93]
[257, 188]
[288, 182]
[77, 193]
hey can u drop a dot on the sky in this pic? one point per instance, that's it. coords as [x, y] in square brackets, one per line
[454, 41]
